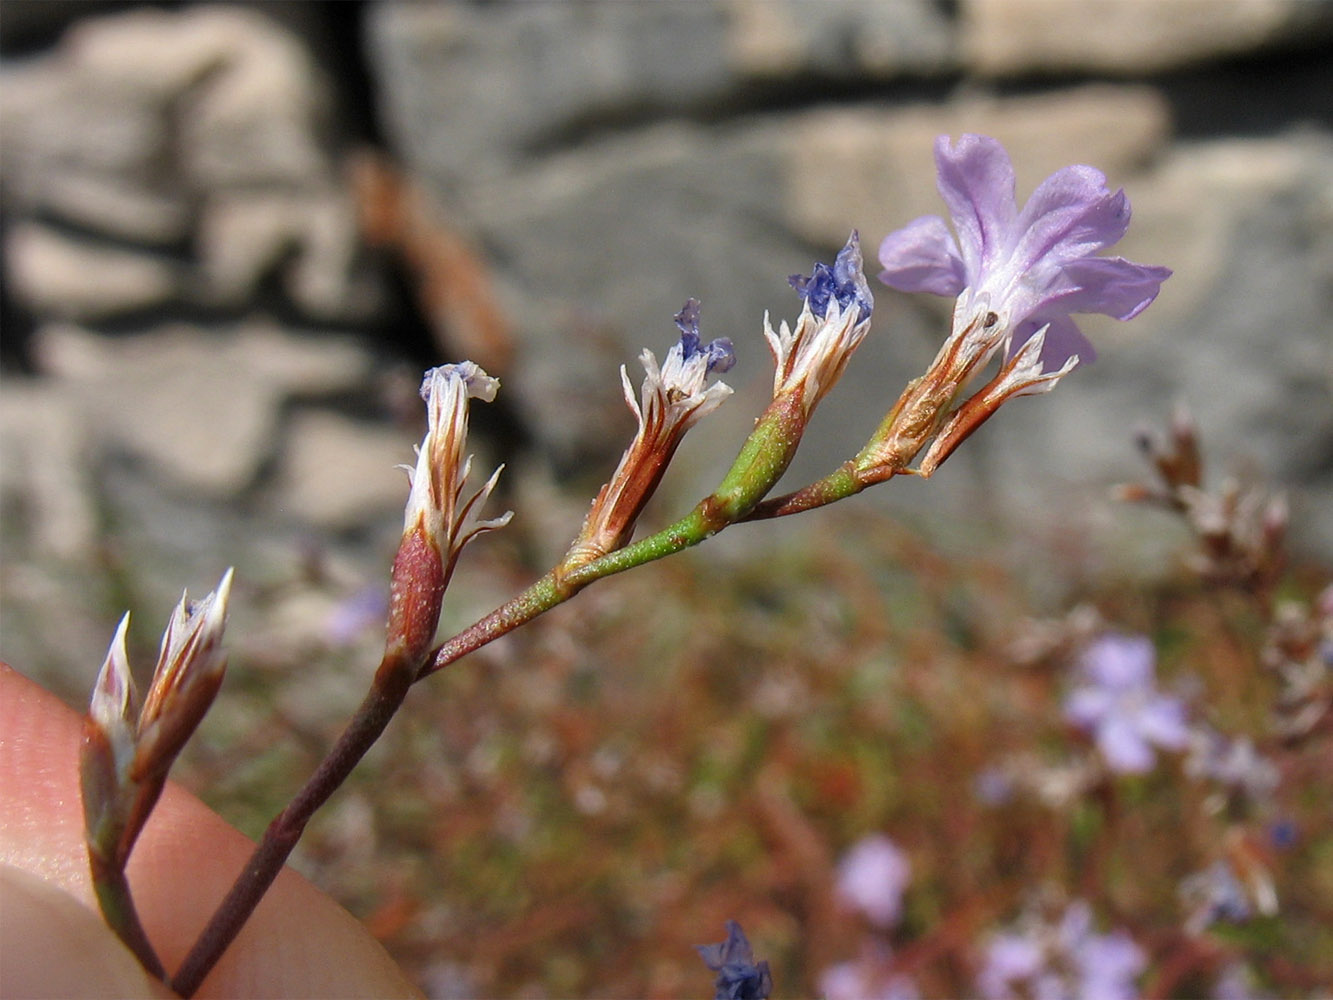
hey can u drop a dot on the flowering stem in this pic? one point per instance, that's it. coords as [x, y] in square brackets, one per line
[762, 460]
[386, 695]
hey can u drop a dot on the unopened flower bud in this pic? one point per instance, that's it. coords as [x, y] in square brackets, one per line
[189, 671]
[109, 736]
[124, 760]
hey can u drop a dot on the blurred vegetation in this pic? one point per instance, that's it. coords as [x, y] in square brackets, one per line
[570, 811]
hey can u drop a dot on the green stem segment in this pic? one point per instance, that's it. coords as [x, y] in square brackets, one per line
[762, 460]
[117, 905]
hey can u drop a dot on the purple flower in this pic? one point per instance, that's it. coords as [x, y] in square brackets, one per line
[1120, 705]
[739, 977]
[872, 877]
[859, 981]
[1030, 268]
[1061, 962]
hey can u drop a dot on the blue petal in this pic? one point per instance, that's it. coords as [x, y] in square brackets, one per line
[688, 322]
[721, 355]
[843, 282]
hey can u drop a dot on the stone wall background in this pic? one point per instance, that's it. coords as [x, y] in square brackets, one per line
[234, 234]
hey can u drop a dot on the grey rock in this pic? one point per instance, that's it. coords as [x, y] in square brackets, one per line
[792, 38]
[75, 279]
[1002, 37]
[338, 473]
[203, 409]
[472, 88]
[202, 134]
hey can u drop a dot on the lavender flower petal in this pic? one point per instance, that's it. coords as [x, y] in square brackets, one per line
[1033, 267]
[976, 181]
[923, 257]
[872, 877]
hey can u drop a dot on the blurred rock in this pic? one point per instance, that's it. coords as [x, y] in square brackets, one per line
[74, 279]
[472, 88]
[1001, 37]
[48, 493]
[203, 409]
[202, 133]
[788, 38]
[338, 473]
[876, 165]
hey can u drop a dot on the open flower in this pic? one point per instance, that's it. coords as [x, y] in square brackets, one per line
[832, 324]
[1029, 269]
[1120, 705]
[675, 396]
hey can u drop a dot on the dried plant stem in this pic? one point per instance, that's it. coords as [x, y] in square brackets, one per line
[117, 905]
[391, 684]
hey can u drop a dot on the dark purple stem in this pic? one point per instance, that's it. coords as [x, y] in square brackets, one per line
[383, 700]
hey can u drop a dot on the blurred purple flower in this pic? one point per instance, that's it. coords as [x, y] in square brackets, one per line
[993, 786]
[739, 977]
[855, 981]
[1234, 983]
[872, 877]
[1031, 268]
[1234, 764]
[1120, 705]
[1062, 962]
[1214, 895]
[365, 609]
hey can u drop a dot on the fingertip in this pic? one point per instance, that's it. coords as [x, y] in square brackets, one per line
[57, 947]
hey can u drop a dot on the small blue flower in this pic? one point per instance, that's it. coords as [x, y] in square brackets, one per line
[844, 282]
[719, 353]
[739, 977]
[834, 320]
